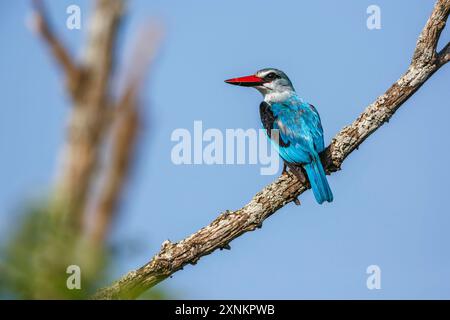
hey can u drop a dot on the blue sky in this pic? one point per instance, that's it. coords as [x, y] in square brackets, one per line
[390, 206]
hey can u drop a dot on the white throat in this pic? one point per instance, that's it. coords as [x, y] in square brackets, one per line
[277, 96]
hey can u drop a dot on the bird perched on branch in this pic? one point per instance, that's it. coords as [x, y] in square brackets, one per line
[293, 126]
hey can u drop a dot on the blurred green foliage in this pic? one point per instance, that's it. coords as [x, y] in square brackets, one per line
[34, 261]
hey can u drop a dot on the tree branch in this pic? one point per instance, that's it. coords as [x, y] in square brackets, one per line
[125, 132]
[231, 224]
[60, 53]
[444, 55]
[127, 115]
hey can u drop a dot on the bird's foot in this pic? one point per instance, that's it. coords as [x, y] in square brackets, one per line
[284, 168]
[299, 174]
[297, 202]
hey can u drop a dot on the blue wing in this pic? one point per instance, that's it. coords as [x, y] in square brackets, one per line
[300, 131]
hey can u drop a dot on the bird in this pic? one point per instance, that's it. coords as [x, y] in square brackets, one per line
[293, 126]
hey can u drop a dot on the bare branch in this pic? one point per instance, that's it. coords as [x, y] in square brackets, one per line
[99, 52]
[125, 132]
[60, 53]
[425, 52]
[145, 49]
[444, 55]
[230, 225]
[124, 142]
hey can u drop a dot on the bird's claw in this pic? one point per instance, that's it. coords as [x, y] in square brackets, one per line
[284, 169]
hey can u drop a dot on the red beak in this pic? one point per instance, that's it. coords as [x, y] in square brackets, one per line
[248, 81]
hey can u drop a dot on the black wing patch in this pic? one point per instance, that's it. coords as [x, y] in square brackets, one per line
[268, 119]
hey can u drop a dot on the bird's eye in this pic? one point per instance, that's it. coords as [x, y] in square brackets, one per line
[271, 76]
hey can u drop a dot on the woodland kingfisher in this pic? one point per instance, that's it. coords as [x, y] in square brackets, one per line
[293, 127]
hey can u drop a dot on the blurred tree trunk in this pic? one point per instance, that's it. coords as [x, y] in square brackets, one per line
[101, 126]
[73, 225]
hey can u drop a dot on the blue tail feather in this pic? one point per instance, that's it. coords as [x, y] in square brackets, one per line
[318, 180]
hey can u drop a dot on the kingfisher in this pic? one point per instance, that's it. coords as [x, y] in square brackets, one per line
[293, 126]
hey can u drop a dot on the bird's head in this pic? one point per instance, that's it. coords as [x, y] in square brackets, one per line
[266, 81]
